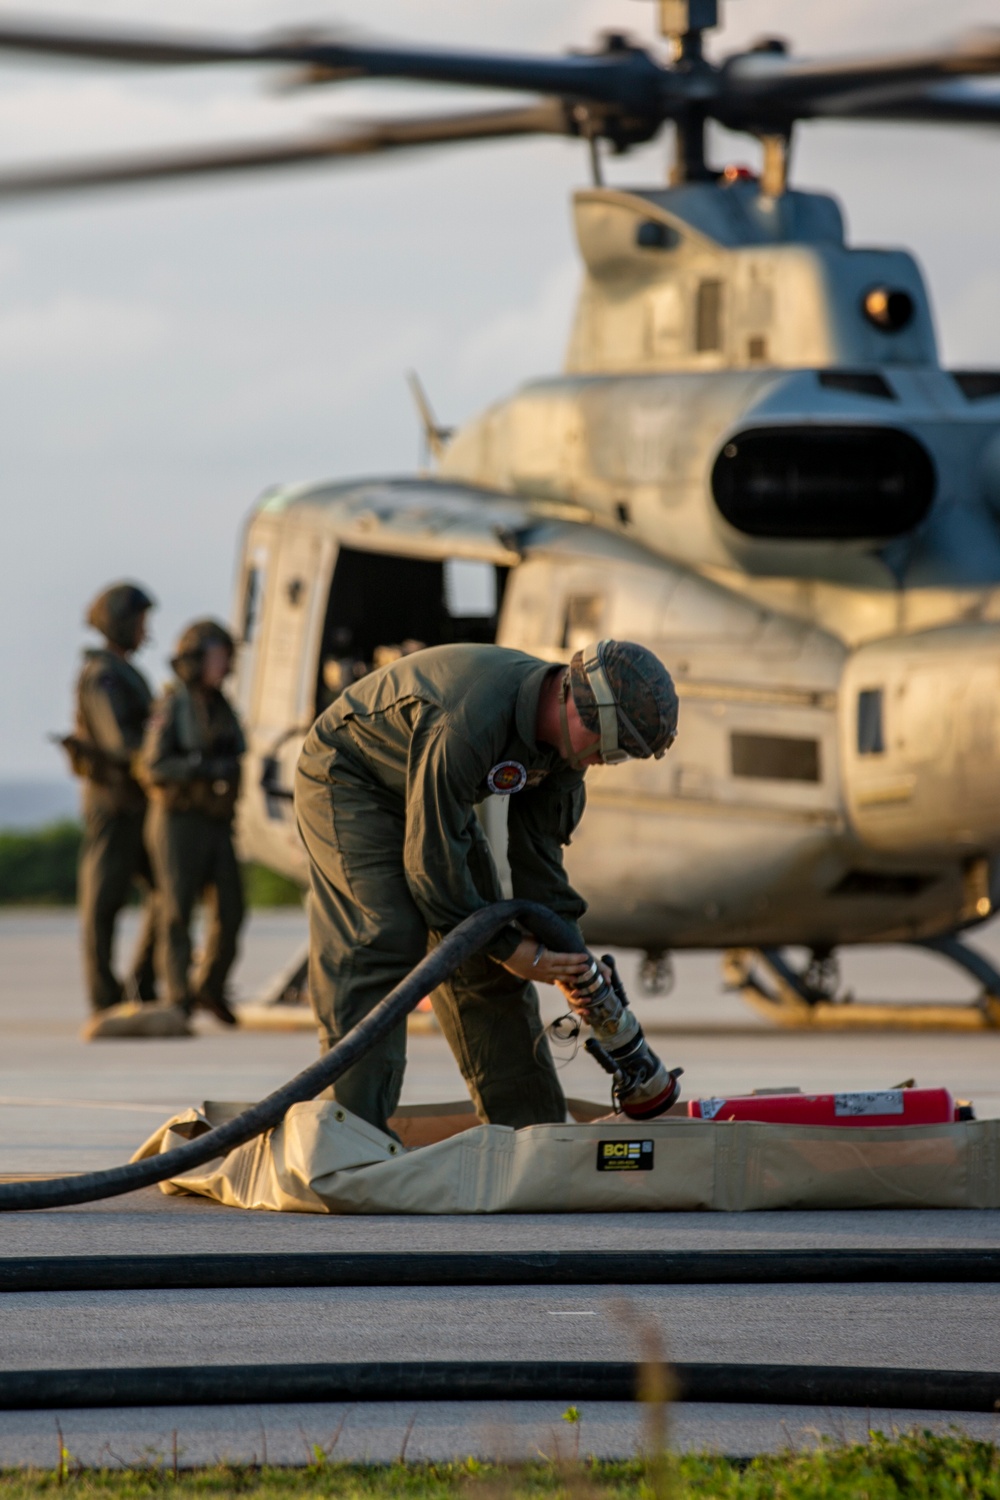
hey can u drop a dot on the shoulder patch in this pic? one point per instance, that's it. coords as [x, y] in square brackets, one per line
[506, 778]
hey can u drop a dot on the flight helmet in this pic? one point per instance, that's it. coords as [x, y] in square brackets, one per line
[117, 613]
[624, 693]
[193, 642]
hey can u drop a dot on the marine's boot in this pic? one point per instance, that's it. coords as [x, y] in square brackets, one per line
[216, 1005]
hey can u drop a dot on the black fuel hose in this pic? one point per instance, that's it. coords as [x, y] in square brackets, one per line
[497, 1380]
[234, 1270]
[459, 944]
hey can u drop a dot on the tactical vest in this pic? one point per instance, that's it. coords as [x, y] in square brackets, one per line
[89, 758]
[213, 798]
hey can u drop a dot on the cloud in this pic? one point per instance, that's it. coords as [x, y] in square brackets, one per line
[74, 331]
[971, 321]
[56, 118]
[527, 339]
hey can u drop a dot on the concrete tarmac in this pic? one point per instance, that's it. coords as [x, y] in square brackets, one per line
[68, 1107]
[65, 1106]
[929, 1327]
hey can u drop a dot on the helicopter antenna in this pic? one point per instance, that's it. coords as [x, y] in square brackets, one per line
[435, 436]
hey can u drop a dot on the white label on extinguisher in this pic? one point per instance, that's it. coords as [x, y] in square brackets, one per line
[889, 1102]
[710, 1108]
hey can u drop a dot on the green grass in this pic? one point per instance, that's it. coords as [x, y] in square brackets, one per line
[918, 1466]
[264, 887]
[38, 868]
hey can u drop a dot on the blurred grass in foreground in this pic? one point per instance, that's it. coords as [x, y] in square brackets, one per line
[917, 1465]
[38, 868]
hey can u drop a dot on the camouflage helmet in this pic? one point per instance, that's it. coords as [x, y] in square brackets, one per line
[193, 642]
[626, 695]
[117, 612]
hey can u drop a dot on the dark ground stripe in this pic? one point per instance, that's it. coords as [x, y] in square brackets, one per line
[486, 1268]
[459, 1380]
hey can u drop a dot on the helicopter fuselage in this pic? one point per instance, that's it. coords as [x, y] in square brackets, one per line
[787, 498]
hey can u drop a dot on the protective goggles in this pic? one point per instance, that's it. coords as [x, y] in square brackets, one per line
[611, 717]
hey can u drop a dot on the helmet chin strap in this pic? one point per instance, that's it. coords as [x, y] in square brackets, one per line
[568, 753]
[607, 704]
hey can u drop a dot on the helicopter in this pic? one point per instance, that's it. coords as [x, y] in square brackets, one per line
[753, 462]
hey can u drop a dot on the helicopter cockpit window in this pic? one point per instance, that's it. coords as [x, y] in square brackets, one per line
[583, 620]
[824, 483]
[382, 607]
[871, 736]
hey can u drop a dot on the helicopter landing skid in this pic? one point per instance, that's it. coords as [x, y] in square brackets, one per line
[809, 999]
[283, 1004]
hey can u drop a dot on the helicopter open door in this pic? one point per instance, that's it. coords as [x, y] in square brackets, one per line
[338, 581]
[385, 605]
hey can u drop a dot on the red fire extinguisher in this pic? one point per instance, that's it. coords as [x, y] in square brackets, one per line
[908, 1106]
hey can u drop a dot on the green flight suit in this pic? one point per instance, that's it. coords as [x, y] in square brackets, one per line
[113, 700]
[385, 793]
[191, 765]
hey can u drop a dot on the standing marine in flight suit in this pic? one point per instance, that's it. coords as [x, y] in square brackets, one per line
[385, 793]
[191, 766]
[113, 701]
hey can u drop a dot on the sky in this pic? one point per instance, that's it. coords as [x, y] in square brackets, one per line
[168, 353]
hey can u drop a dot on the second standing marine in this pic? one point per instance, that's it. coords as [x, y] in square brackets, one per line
[191, 766]
[113, 700]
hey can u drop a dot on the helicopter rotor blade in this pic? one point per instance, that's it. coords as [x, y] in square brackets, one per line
[948, 104]
[620, 93]
[620, 75]
[547, 117]
[101, 44]
[763, 85]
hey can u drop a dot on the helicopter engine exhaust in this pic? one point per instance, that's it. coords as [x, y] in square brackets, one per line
[823, 483]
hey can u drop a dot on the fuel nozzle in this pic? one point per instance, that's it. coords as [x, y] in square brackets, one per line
[641, 1086]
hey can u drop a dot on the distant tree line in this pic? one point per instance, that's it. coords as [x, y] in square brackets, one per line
[38, 868]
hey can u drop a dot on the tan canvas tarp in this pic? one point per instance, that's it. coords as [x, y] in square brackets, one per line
[323, 1160]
